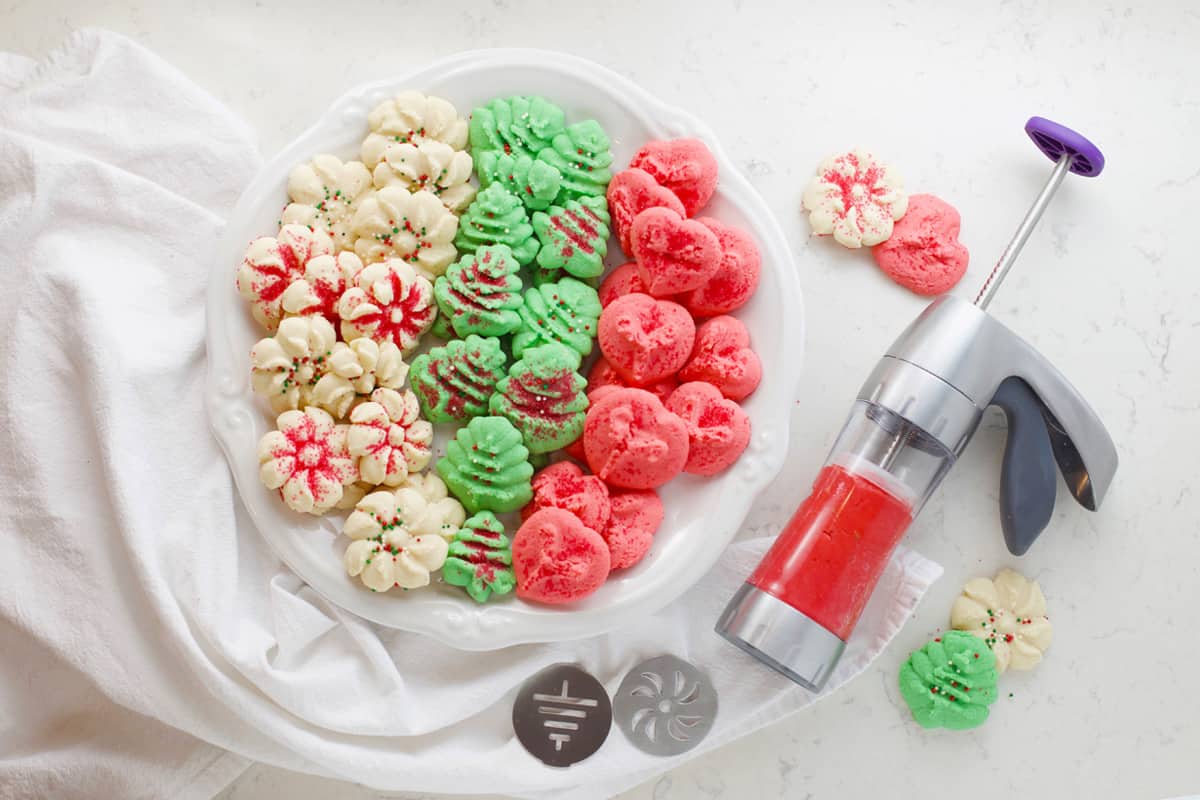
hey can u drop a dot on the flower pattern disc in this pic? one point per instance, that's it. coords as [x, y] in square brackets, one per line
[665, 706]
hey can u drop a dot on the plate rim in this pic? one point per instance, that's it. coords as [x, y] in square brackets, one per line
[505, 626]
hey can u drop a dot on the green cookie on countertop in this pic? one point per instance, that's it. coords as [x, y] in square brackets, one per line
[516, 125]
[487, 467]
[545, 397]
[480, 558]
[581, 153]
[950, 682]
[533, 180]
[564, 312]
[497, 216]
[454, 382]
[481, 293]
[574, 236]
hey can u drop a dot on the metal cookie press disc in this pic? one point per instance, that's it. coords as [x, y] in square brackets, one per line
[665, 706]
[562, 715]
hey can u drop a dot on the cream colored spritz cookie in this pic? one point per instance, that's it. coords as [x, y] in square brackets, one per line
[286, 368]
[272, 264]
[855, 197]
[326, 278]
[412, 118]
[389, 302]
[306, 459]
[431, 166]
[324, 194]
[413, 227]
[356, 369]
[389, 438]
[390, 547]
[444, 515]
[1009, 613]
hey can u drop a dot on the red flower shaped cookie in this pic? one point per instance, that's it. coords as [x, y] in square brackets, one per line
[563, 485]
[635, 518]
[558, 559]
[718, 429]
[735, 279]
[306, 460]
[923, 253]
[389, 302]
[685, 166]
[272, 264]
[673, 254]
[722, 357]
[632, 441]
[630, 193]
[644, 339]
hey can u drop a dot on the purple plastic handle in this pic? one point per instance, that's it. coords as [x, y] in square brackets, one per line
[1054, 140]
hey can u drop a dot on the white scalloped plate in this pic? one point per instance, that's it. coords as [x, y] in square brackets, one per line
[703, 515]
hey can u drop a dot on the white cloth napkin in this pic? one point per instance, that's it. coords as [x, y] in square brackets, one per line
[151, 643]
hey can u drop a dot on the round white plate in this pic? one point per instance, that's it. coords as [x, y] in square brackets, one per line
[703, 515]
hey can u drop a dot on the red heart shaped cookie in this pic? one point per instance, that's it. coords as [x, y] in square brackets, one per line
[632, 441]
[923, 253]
[603, 376]
[722, 357]
[631, 192]
[735, 279]
[636, 516]
[644, 339]
[563, 485]
[673, 254]
[558, 559]
[621, 281]
[685, 166]
[718, 429]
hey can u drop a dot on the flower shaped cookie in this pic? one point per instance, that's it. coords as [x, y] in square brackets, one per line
[286, 367]
[443, 514]
[415, 228]
[272, 264]
[389, 438]
[326, 278]
[411, 117]
[324, 194]
[387, 550]
[306, 459]
[855, 197]
[389, 302]
[355, 369]
[1009, 613]
[431, 166]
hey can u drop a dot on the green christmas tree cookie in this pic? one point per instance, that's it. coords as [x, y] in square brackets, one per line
[480, 558]
[545, 397]
[574, 236]
[487, 467]
[533, 180]
[481, 293]
[497, 217]
[515, 125]
[581, 153]
[950, 682]
[454, 382]
[563, 312]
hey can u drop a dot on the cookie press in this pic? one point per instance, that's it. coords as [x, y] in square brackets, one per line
[912, 419]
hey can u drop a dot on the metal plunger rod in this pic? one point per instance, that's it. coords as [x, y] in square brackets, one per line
[1032, 216]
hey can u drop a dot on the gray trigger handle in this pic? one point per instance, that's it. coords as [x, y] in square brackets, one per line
[1027, 478]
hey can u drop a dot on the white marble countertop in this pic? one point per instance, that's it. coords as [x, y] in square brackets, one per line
[1108, 289]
